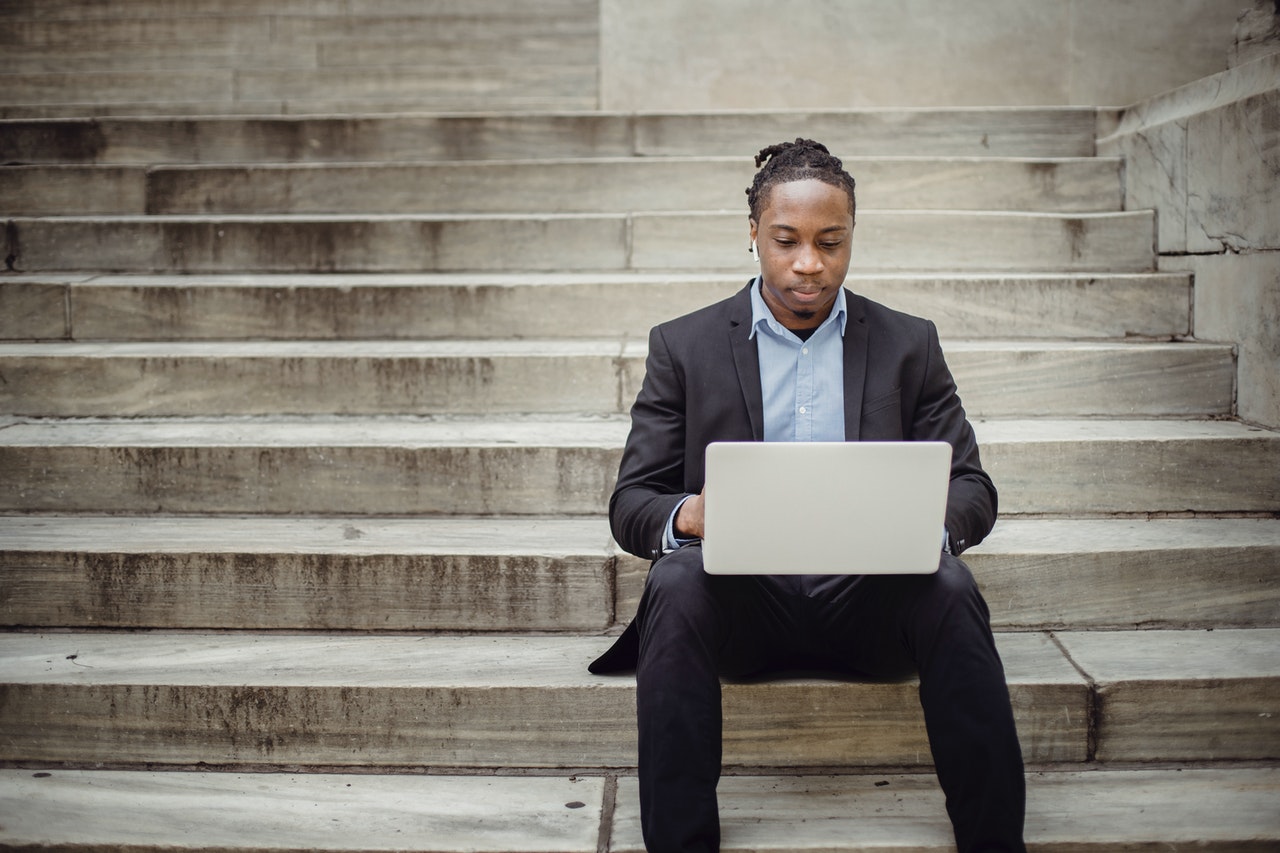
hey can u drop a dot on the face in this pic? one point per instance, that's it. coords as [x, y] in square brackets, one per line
[804, 238]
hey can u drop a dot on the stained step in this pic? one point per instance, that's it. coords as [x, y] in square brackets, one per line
[996, 378]
[1211, 810]
[523, 305]
[567, 465]
[602, 185]
[564, 574]
[886, 241]
[540, 465]
[1022, 132]
[507, 701]
[503, 701]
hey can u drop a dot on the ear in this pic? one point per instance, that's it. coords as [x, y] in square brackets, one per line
[755, 229]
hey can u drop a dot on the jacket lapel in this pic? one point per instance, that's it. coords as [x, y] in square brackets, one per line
[746, 358]
[856, 340]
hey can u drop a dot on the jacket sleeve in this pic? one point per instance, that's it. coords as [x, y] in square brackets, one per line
[651, 475]
[940, 416]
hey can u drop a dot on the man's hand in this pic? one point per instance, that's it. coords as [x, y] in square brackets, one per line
[688, 523]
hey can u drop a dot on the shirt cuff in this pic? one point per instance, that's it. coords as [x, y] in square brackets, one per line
[669, 540]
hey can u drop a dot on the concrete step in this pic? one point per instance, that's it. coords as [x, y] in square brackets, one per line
[522, 701]
[365, 106]
[1211, 810]
[1023, 132]
[567, 465]
[509, 49]
[1067, 812]
[602, 185]
[430, 87]
[75, 10]
[997, 378]
[427, 24]
[886, 241]
[154, 57]
[565, 574]
[506, 305]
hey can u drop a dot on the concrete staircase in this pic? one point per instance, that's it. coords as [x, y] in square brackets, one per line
[307, 426]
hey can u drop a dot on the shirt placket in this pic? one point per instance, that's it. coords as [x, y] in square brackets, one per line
[804, 393]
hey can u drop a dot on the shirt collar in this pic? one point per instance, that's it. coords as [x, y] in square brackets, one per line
[760, 312]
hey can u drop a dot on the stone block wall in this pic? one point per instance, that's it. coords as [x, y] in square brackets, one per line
[775, 54]
[1206, 157]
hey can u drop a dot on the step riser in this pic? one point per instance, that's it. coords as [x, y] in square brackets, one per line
[90, 10]
[1065, 186]
[307, 308]
[1097, 476]
[311, 592]
[1203, 587]
[570, 719]
[1224, 811]
[977, 133]
[127, 27]
[442, 87]
[1133, 380]
[217, 711]
[921, 241]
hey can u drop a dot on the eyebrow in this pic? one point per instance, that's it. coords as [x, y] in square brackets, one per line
[781, 226]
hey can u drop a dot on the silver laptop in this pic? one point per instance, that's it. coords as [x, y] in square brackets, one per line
[857, 507]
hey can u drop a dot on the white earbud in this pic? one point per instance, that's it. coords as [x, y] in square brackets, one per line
[755, 253]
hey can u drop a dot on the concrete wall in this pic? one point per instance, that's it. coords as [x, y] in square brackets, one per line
[770, 54]
[1206, 157]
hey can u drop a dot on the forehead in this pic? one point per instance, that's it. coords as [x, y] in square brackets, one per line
[807, 202]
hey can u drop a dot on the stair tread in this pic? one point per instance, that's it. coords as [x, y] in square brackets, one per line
[254, 534]
[1210, 808]
[526, 347]
[1066, 811]
[184, 132]
[590, 431]
[551, 662]
[272, 812]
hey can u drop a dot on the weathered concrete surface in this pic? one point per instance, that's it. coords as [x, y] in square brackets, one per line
[537, 465]
[1106, 573]
[436, 56]
[997, 378]
[501, 574]
[1206, 157]
[254, 813]
[454, 702]
[673, 55]
[888, 241]
[1183, 695]
[599, 185]
[1209, 810]
[181, 138]
[255, 573]
[1257, 33]
[625, 305]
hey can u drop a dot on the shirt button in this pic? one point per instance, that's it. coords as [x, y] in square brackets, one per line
[803, 410]
[804, 351]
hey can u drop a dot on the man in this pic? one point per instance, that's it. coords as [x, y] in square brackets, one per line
[795, 357]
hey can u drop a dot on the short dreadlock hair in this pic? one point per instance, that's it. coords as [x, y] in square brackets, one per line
[801, 160]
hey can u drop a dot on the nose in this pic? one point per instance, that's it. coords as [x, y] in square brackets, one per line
[808, 260]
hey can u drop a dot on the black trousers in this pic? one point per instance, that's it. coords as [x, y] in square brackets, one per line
[695, 627]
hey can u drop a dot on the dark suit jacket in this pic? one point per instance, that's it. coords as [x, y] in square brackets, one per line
[702, 384]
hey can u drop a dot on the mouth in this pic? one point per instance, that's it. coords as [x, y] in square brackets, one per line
[807, 294]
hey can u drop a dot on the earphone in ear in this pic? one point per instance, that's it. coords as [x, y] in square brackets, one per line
[755, 253]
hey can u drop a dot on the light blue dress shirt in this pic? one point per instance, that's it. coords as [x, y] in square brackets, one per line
[802, 381]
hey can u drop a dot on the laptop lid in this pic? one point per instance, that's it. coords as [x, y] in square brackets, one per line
[856, 507]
